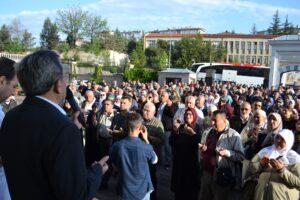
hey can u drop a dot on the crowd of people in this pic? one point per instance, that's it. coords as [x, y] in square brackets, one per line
[214, 138]
[220, 141]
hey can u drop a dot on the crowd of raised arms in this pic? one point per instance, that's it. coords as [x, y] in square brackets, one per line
[223, 141]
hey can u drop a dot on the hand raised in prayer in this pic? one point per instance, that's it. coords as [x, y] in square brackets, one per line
[202, 147]
[265, 161]
[277, 164]
[189, 130]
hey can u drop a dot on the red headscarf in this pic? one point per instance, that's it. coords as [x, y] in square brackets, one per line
[195, 116]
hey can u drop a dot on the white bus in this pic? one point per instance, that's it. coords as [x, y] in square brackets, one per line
[248, 74]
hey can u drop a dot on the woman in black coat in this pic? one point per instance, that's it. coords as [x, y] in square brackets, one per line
[185, 174]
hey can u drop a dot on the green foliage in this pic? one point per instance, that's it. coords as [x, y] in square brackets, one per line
[49, 36]
[93, 47]
[63, 47]
[131, 46]
[275, 25]
[14, 46]
[4, 37]
[137, 57]
[188, 50]
[97, 74]
[93, 25]
[157, 58]
[288, 27]
[115, 42]
[71, 22]
[86, 64]
[141, 74]
[27, 41]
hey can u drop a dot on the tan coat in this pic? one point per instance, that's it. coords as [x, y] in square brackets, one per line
[273, 185]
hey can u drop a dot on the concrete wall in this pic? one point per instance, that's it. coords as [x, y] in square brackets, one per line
[186, 78]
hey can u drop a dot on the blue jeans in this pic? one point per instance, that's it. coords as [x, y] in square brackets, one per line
[4, 193]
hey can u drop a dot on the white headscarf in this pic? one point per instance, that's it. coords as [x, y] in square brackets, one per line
[289, 157]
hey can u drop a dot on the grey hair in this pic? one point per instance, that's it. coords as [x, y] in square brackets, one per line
[151, 105]
[134, 120]
[190, 98]
[39, 71]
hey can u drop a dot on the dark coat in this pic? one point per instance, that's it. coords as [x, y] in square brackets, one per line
[43, 156]
[186, 167]
[167, 116]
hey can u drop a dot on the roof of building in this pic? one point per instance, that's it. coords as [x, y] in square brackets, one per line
[243, 36]
[288, 37]
[178, 70]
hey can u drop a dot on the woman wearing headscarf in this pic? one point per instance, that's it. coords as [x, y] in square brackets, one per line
[185, 181]
[278, 170]
[274, 126]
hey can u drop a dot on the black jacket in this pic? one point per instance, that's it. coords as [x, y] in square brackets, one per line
[167, 116]
[43, 156]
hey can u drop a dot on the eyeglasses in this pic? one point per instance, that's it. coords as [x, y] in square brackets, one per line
[245, 109]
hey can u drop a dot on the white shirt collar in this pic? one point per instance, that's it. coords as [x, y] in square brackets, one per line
[54, 104]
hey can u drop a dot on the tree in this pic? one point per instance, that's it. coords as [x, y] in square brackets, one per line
[157, 58]
[14, 46]
[120, 41]
[113, 41]
[71, 22]
[49, 37]
[253, 29]
[93, 25]
[27, 40]
[188, 50]
[16, 29]
[275, 25]
[138, 58]
[287, 27]
[5, 37]
[131, 46]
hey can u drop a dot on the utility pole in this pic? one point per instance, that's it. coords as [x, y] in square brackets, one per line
[170, 49]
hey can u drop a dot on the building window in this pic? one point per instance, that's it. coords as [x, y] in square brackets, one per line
[249, 47]
[237, 46]
[259, 60]
[151, 43]
[226, 45]
[267, 47]
[261, 47]
[266, 61]
[231, 46]
[230, 58]
[242, 59]
[253, 60]
[243, 45]
[248, 59]
[236, 59]
[255, 47]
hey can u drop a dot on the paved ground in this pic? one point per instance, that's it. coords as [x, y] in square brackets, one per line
[164, 193]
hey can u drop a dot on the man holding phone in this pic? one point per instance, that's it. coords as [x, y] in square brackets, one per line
[131, 156]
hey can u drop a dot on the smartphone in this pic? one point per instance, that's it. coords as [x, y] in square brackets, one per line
[279, 157]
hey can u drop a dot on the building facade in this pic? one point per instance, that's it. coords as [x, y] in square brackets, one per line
[241, 48]
[285, 67]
